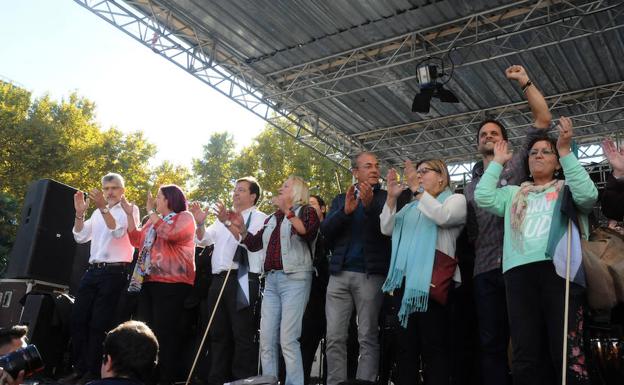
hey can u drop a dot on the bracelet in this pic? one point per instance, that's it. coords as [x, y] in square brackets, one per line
[526, 86]
[200, 223]
[81, 217]
[152, 211]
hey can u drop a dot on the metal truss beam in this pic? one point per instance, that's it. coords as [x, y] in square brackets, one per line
[595, 112]
[155, 25]
[542, 23]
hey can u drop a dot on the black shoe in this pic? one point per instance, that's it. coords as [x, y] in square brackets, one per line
[71, 378]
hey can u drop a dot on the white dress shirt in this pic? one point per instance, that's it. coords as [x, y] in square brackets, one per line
[225, 244]
[108, 245]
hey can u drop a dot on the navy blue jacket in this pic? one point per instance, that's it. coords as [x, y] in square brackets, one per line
[336, 229]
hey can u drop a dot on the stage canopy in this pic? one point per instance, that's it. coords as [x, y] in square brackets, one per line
[344, 71]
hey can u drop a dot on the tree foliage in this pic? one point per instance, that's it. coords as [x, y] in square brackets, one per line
[61, 140]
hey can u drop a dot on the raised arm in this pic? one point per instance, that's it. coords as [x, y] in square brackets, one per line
[537, 103]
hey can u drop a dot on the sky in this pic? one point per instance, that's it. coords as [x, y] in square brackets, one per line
[58, 47]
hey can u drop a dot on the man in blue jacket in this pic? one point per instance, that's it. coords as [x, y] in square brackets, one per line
[358, 267]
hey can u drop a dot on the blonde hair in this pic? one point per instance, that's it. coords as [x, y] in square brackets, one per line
[440, 166]
[300, 190]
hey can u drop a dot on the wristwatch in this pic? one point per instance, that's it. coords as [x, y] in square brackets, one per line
[104, 210]
[152, 211]
[227, 223]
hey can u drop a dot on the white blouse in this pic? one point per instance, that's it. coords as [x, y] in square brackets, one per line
[450, 216]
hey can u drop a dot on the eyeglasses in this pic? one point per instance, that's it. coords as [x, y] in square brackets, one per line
[424, 170]
[543, 151]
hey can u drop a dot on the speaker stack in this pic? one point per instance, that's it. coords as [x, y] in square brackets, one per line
[40, 269]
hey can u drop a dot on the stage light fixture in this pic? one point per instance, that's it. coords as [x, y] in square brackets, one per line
[430, 88]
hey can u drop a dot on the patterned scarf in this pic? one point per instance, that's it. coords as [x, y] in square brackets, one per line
[519, 206]
[143, 264]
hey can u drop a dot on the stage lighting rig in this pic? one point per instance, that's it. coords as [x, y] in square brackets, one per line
[431, 87]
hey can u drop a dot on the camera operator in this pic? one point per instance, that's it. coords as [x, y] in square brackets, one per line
[11, 339]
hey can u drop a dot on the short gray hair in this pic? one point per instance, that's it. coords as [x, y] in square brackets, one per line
[111, 176]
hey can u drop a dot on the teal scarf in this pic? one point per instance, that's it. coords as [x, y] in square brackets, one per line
[413, 250]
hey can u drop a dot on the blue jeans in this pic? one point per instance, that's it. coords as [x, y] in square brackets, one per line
[283, 304]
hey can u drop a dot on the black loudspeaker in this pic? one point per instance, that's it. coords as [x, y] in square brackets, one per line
[44, 246]
[45, 330]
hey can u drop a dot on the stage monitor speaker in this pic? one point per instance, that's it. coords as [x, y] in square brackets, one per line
[44, 245]
[44, 330]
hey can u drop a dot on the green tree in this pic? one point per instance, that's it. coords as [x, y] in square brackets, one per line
[168, 173]
[274, 156]
[61, 140]
[8, 227]
[214, 170]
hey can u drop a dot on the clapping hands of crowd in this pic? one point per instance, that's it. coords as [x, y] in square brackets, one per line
[501, 152]
[352, 199]
[614, 156]
[564, 141]
[98, 198]
[198, 213]
[80, 203]
[126, 206]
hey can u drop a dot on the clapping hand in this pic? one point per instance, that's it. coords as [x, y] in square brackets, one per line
[220, 212]
[394, 187]
[501, 152]
[150, 202]
[237, 226]
[126, 206]
[198, 213]
[351, 201]
[366, 193]
[614, 156]
[80, 204]
[98, 198]
[411, 176]
[564, 141]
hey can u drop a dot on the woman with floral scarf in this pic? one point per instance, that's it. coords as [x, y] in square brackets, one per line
[165, 270]
[535, 252]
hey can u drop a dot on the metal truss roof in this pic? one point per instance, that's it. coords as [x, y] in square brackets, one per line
[339, 76]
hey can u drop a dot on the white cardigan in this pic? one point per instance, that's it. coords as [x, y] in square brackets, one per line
[450, 216]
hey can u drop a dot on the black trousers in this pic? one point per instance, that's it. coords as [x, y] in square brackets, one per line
[426, 338]
[491, 303]
[94, 314]
[313, 326]
[233, 344]
[535, 303]
[161, 306]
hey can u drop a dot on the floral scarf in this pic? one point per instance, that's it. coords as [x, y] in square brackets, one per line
[143, 264]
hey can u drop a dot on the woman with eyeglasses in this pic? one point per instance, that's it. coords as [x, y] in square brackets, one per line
[423, 233]
[535, 254]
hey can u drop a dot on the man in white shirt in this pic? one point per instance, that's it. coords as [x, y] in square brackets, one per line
[233, 346]
[94, 310]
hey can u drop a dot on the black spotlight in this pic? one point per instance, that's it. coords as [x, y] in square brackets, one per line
[429, 88]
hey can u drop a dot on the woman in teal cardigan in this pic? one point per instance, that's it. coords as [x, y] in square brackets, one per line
[534, 247]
